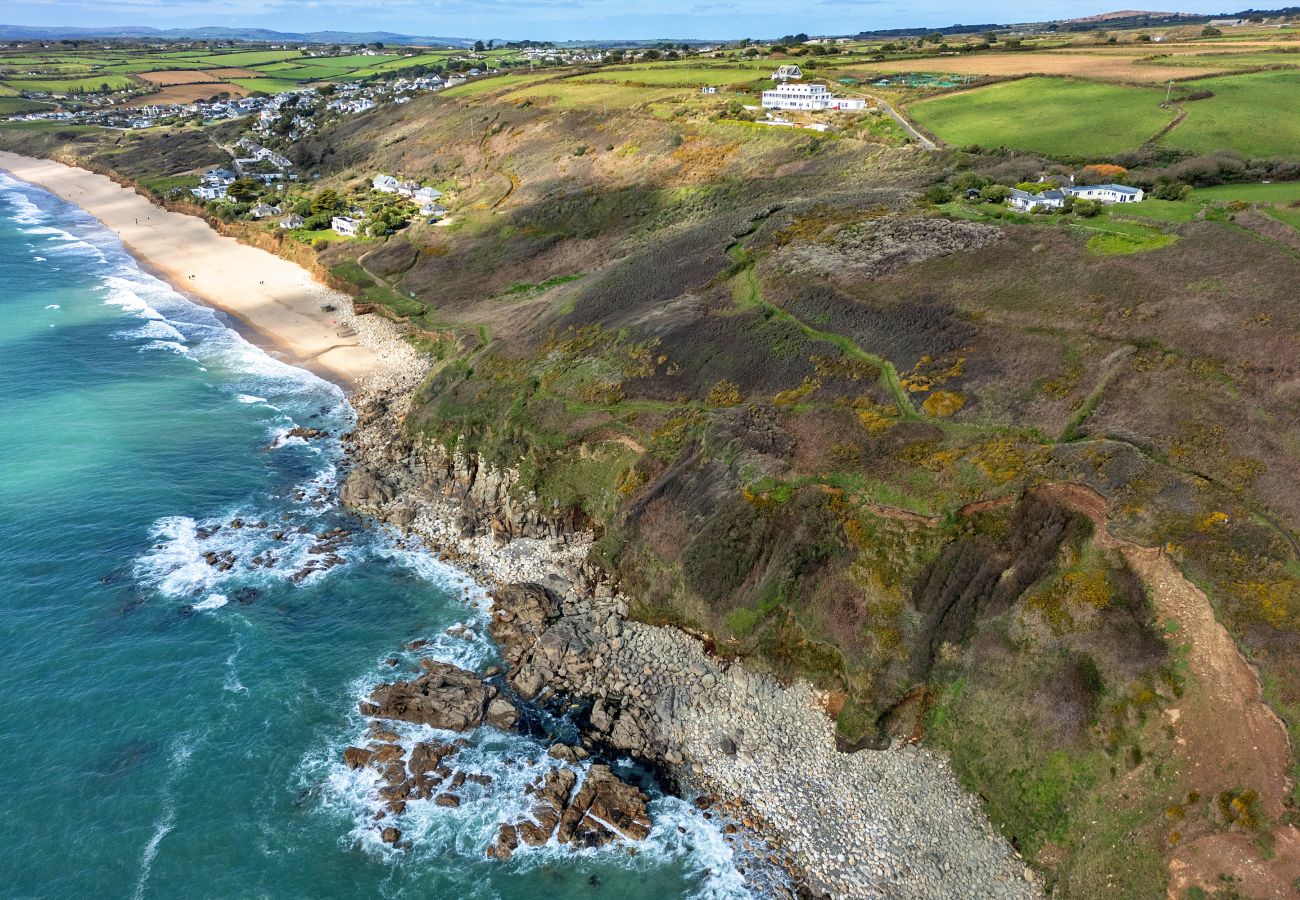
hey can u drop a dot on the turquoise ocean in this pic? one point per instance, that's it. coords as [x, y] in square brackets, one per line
[173, 729]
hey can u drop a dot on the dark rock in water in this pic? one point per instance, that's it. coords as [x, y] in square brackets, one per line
[445, 697]
[418, 644]
[506, 843]
[247, 595]
[449, 800]
[390, 835]
[356, 757]
[185, 611]
[604, 800]
[604, 809]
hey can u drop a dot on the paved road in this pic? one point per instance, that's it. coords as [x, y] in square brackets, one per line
[906, 125]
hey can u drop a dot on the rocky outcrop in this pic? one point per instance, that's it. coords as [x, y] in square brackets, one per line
[444, 697]
[603, 809]
[868, 824]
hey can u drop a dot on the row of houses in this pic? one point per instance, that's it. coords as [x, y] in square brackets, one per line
[1055, 198]
[425, 197]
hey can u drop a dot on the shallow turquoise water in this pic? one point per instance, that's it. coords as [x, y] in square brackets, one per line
[171, 730]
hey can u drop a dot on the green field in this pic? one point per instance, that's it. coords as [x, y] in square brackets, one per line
[1280, 192]
[246, 57]
[11, 105]
[1054, 116]
[267, 85]
[492, 83]
[1247, 60]
[88, 84]
[1253, 114]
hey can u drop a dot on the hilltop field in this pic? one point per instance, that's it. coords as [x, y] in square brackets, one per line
[1019, 486]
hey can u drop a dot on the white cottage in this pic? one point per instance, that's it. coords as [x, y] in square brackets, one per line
[1108, 193]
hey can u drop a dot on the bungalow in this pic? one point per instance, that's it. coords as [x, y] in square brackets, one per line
[264, 210]
[433, 210]
[346, 225]
[1027, 202]
[1108, 193]
[386, 183]
[209, 191]
[426, 194]
[291, 221]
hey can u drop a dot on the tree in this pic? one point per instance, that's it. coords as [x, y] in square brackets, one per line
[326, 202]
[1210, 31]
[1086, 209]
[990, 37]
[933, 37]
[995, 193]
[245, 190]
[479, 47]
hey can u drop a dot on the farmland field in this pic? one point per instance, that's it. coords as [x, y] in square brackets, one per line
[247, 57]
[1053, 62]
[87, 84]
[195, 76]
[1054, 116]
[267, 85]
[1253, 114]
[495, 82]
[188, 93]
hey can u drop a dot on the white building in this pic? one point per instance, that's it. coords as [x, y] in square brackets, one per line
[812, 97]
[292, 221]
[426, 195]
[1108, 193]
[1027, 202]
[346, 225]
[386, 183]
[787, 73]
[264, 210]
[209, 191]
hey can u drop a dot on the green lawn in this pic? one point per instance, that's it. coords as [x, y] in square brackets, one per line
[1054, 116]
[1278, 192]
[1287, 214]
[1254, 114]
[594, 95]
[1163, 210]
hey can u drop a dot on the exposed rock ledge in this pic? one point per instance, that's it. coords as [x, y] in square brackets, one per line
[889, 823]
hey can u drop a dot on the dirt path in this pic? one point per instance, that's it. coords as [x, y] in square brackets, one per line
[1228, 736]
[903, 123]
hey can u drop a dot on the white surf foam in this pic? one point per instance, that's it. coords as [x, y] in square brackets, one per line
[213, 601]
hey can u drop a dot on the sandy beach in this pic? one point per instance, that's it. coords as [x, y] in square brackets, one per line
[277, 302]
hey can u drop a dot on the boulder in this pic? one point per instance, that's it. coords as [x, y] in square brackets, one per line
[357, 757]
[604, 802]
[445, 697]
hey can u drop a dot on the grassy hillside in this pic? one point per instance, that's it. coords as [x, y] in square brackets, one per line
[1248, 113]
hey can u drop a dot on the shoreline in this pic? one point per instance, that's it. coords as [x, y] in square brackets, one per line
[866, 824]
[273, 303]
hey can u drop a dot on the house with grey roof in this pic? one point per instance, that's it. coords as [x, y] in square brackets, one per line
[1107, 193]
[1027, 202]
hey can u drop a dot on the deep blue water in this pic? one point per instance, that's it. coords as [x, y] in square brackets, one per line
[171, 730]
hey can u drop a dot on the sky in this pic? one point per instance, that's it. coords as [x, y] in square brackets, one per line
[565, 19]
